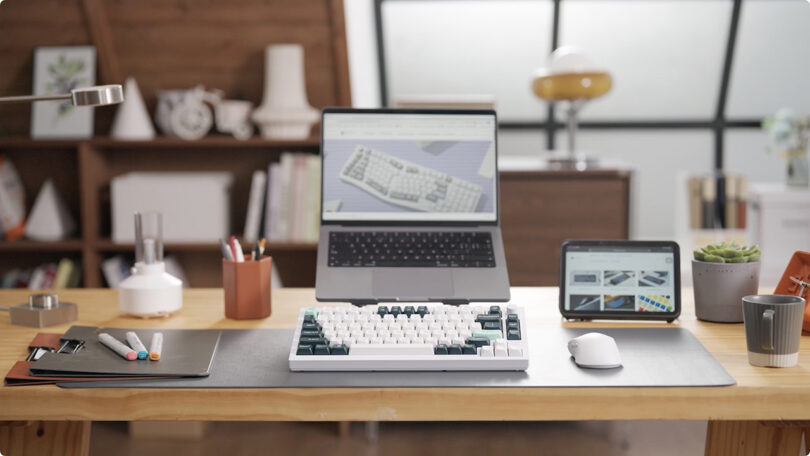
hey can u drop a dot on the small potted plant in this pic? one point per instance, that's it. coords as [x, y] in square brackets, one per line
[721, 275]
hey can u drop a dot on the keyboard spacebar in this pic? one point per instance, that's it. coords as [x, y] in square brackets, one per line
[391, 350]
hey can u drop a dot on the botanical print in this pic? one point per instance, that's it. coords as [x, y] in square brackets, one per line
[59, 70]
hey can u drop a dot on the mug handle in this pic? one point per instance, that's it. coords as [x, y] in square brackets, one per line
[766, 333]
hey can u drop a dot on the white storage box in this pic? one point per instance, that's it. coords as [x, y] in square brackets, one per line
[195, 205]
[779, 221]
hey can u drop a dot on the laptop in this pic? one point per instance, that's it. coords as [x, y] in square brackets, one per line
[409, 207]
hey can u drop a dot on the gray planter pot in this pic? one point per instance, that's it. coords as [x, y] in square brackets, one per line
[720, 287]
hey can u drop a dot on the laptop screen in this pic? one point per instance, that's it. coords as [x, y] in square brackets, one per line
[409, 166]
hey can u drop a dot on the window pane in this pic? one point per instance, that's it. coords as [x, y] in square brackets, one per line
[666, 57]
[660, 160]
[745, 153]
[513, 143]
[468, 47]
[771, 66]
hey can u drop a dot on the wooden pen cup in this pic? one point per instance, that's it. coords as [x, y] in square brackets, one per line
[247, 288]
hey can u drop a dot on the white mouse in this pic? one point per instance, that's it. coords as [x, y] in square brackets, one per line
[595, 350]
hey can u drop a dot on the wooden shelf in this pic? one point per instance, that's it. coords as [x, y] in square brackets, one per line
[68, 245]
[211, 141]
[107, 245]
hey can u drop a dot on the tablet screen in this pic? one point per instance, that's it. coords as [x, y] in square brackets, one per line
[620, 277]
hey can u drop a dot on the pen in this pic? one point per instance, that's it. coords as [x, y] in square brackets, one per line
[238, 255]
[226, 251]
[233, 243]
[115, 345]
[261, 246]
[256, 254]
[136, 344]
[156, 346]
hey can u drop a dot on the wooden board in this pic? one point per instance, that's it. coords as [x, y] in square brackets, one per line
[541, 209]
[761, 393]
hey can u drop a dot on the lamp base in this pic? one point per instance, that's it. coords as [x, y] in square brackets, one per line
[576, 161]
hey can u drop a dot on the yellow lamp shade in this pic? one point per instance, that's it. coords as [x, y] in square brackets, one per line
[571, 86]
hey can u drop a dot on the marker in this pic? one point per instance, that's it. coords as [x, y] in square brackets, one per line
[115, 345]
[232, 243]
[156, 346]
[136, 344]
[226, 251]
[238, 256]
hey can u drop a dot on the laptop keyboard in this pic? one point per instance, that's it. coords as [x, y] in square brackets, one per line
[407, 184]
[433, 337]
[462, 249]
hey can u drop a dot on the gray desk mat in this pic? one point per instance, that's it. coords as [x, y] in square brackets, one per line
[651, 357]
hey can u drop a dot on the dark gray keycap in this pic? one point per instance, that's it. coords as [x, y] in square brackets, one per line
[311, 326]
[321, 349]
[304, 350]
[491, 325]
[409, 311]
[309, 318]
[422, 310]
[468, 349]
[513, 334]
[483, 318]
[440, 349]
[382, 310]
[310, 333]
[512, 325]
[454, 349]
[495, 310]
[396, 310]
[339, 349]
[512, 317]
[313, 341]
[398, 195]
[477, 341]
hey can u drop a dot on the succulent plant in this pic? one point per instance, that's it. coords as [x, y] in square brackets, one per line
[725, 252]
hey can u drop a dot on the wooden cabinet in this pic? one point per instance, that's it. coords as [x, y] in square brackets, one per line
[540, 209]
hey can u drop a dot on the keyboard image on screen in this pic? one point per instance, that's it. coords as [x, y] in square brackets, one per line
[464, 249]
[409, 185]
[435, 337]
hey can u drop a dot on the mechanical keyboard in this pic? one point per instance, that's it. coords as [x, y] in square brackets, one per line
[465, 249]
[409, 185]
[435, 337]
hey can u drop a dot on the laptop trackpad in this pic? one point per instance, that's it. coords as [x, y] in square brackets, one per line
[412, 283]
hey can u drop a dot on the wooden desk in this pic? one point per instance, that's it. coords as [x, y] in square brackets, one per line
[737, 415]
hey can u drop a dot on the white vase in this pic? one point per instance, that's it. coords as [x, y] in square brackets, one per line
[285, 112]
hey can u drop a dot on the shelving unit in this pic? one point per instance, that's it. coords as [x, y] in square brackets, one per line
[82, 171]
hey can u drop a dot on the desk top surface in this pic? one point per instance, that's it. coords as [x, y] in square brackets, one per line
[760, 393]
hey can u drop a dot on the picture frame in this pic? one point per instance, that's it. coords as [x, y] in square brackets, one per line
[58, 70]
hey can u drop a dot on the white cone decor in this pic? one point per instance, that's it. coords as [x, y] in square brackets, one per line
[132, 121]
[50, 219]
[285, 112]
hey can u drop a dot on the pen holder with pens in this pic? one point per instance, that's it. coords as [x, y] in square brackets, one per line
[247, 288]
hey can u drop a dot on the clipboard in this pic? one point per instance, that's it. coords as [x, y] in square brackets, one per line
[186, 353]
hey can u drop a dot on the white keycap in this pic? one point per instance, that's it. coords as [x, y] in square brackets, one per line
[388, 317]
[391, 350]
[475, 326]
[396, 332]
[335, 341]
[389, 340]
[500, 348]
[515, 349]
[362, 340]
[486, 351]
[410, 332]
[403, 340]
[429, 318]
[422, 325]
[343, 333]
[435, 326]
[375, 340]
[444, 341]
[402, 318]
[458, 341]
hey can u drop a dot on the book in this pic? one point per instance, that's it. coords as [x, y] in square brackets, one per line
[732, 182]
[254, 209]
[271, 228]
[12, 201]
[63, 272]
[695, 203]
[709, 202]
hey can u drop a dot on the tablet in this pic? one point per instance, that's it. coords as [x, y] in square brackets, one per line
[620, 280]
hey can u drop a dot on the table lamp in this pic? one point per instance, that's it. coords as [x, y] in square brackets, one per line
[571, 77]
[86, 96]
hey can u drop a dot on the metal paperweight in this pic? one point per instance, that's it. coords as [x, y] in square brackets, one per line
[42, 310]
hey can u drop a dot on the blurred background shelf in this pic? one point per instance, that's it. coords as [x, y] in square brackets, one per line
[68, 245]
